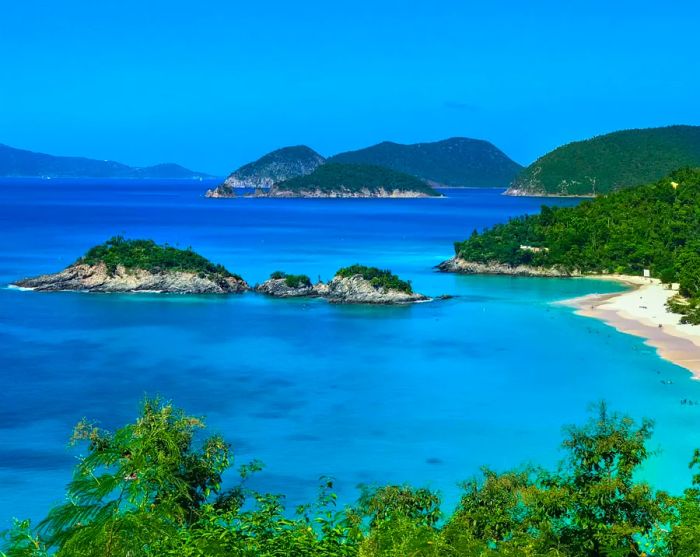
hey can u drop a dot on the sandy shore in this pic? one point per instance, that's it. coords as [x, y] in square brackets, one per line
[641, 311]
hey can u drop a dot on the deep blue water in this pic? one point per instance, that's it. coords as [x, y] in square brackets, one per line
[423, 394]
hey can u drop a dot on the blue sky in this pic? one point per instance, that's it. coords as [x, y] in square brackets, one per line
[213, 84]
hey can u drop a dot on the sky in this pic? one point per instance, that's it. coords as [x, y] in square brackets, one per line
[213, 84]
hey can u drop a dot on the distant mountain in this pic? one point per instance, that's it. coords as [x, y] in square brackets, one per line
[277, 166]
[19, 162]
[351, 180]
[456, 162]
[610, 162]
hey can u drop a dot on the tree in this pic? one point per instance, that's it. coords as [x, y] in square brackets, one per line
[136, 485]
[598, 509]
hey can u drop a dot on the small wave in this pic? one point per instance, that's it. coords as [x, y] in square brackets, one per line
[16, 287]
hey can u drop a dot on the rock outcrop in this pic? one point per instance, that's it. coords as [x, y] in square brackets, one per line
[97, 278]
[340, 290]
[280, 288]
[357, 290]
[458, 265]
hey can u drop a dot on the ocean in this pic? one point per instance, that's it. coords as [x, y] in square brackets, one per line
[424, 394]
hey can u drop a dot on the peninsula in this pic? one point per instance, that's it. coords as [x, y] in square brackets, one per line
[351, 180]
[356, 284]
[121, 265]
[650, 229]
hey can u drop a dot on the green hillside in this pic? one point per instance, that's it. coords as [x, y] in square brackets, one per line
[655, 227]
[456, 162]
[610, 162]
[353, 179]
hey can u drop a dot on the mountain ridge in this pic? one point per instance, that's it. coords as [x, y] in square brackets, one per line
[452, 162]
[18, 163]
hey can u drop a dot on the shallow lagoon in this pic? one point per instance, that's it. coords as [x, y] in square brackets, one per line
[423, 394]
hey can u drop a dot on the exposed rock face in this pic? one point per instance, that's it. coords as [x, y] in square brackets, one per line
[457, 265]
[277, 166]
[340, 290]
[280, 289]
[280, 191]
[357, 290]
[96, 278]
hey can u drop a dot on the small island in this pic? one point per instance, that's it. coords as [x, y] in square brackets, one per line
[121, 265]
[356, 284]
[351, 180]
[283, 285]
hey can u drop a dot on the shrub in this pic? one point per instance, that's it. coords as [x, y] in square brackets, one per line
[377, 277]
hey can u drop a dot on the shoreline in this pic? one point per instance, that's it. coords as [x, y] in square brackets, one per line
[641, 311]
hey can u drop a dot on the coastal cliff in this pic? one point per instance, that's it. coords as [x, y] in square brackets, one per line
[459, 265]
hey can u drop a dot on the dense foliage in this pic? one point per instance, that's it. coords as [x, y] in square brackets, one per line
[293, 281]
[154, 488]
[377, 277]
[613, 161]
[655, 227]
[336, 177]
[457, 162]
[147, 255]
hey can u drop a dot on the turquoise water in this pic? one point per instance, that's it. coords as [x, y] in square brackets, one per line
[423, 394]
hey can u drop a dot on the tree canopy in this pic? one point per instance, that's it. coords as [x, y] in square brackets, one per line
[147, 255]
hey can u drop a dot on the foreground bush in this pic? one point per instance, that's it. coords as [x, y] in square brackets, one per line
[153, 488]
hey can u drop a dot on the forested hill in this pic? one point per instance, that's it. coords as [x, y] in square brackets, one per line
[610, 162]
[353, 180]
[276, 166]
[19, 162]
[456, 162]
[655, 226]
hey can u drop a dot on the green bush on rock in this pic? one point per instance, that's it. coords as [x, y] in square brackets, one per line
[377, 277]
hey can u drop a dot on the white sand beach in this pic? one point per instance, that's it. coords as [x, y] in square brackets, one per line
[642, 312]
